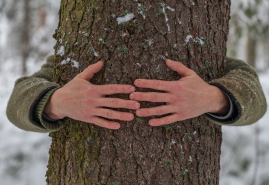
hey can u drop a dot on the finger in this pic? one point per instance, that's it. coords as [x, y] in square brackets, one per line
[179, 68]
[88, 73]
[115, 89]
[105, 123]
[152, 97]
[155, 111]
[165, 120]
[153, 84]
[118, 103]
[112, 114]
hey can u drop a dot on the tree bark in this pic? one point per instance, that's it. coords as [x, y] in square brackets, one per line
[185, 152]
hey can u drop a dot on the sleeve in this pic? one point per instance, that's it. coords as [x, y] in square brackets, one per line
[227, 116]
[241, 84]
[28, 100]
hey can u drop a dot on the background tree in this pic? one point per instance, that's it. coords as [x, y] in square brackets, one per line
[250, 32]
[133, 38]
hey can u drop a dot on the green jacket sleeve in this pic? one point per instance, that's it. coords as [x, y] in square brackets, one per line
[28, 99]
[241, 83]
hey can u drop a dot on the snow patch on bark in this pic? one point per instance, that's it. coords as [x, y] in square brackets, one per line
[61, 51]
[126, 18]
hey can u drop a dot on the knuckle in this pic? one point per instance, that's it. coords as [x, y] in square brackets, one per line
[177, 98]
[109, 114]
[177, 87]
[112, 89]
[91, 89]
[114, 102]
[173, 98]
[101, 123]
[154, 96]
[159, 111]
[91, 101]
[139, 96]
[167, 122]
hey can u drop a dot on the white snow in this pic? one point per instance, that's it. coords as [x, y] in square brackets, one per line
[194, 39]
[126, 18]
[169, 8]
[140, 11]
[150, 41]
[73, 62]
[166, 18]
[138, 64]
[60, 51]
[179, 22]
[190, 158]
[94, 52]
[188, 39]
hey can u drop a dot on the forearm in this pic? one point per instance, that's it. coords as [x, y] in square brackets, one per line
[26, 95]
[241, 83]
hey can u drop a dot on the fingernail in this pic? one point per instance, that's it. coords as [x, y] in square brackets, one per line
[136, 105]
[130, 116]
[132, 89]
[117, 126]
[169, 61]
[137, 82]
[139, 113]
[132, 96]
[151, 123]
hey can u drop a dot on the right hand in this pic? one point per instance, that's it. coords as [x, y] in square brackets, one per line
[83, 101]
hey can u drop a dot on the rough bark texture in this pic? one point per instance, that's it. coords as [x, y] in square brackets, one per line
[186, 152]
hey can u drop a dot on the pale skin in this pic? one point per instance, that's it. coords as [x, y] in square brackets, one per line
[186, 98]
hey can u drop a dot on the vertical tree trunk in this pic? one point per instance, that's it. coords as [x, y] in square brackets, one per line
[186, 152]
[25, 34]
[251, 51]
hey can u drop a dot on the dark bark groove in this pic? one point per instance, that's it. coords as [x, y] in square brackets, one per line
[186, 152]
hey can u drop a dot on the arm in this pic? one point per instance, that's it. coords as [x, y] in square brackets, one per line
[241, 83]
[191, 96]
[25, 96]
[79, 99]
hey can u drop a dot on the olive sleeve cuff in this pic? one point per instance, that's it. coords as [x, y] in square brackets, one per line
[50, 125]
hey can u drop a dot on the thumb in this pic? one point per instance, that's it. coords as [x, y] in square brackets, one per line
[88, 73]
[179, 68]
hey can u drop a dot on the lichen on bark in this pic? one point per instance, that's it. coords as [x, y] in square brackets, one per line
[192, 32]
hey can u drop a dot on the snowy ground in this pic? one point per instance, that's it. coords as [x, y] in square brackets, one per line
[24, 155]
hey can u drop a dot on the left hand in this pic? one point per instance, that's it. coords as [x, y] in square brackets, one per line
[186, 98]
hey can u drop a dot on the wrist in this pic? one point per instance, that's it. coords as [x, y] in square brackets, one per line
[52, 109]
[220, 102]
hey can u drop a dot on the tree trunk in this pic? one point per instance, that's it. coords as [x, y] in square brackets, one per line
[186, 152]
[25, 31]
[251, 51]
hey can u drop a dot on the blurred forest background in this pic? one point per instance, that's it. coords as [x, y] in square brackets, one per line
[26, 29]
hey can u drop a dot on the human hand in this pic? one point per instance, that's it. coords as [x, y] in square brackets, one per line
[81, 100]
[186, 98]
